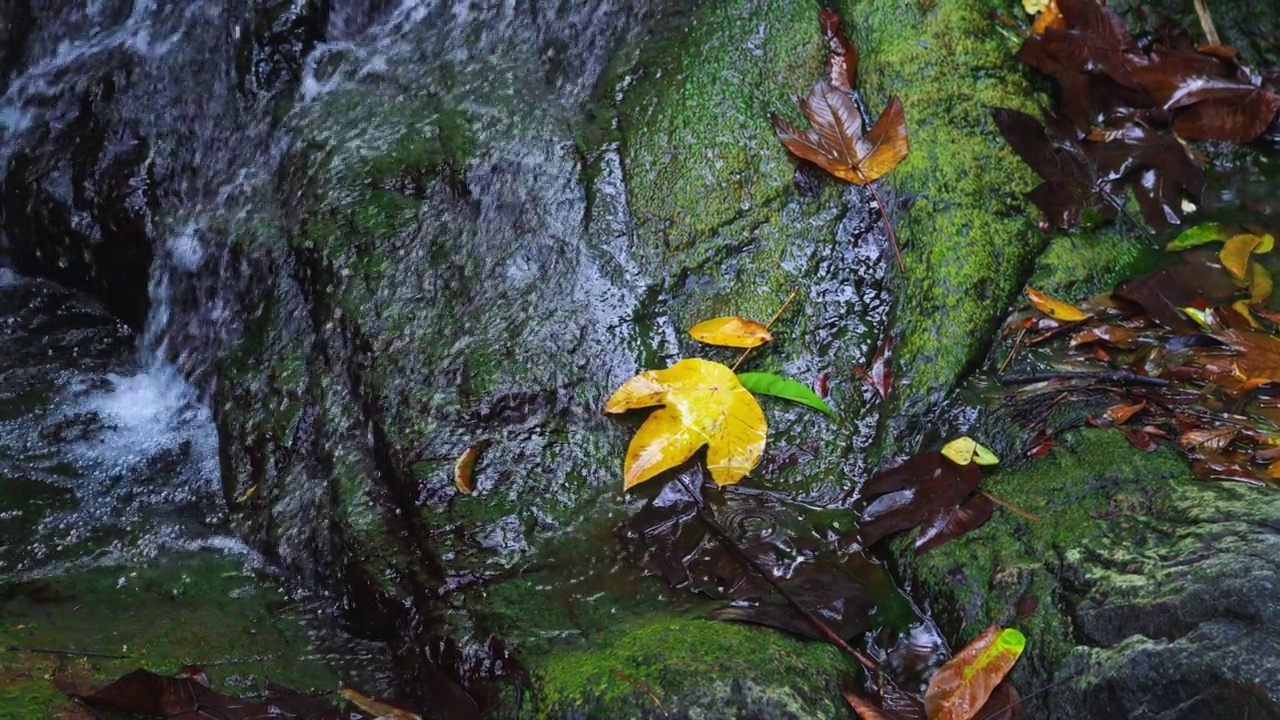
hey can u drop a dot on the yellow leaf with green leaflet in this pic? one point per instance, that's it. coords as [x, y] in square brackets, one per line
[964, 450]
[962, 686]
[704, 404]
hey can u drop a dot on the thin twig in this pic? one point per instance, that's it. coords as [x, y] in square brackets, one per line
[767, 326]
[1108, 376]
[1010, 506]
[644, 689]
[746, 559]
[1206, 23]
[1013, 350]
[71, 653]
[893, 236]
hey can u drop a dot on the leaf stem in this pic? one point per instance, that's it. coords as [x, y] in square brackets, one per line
[768, 325]
[1011, 507]
[893, 236]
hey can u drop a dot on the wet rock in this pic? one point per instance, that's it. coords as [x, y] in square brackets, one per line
[122, 122]
[453, 264]
[16, 20]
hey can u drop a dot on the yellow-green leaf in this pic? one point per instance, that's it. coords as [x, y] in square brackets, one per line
[1235, 254]
[1198, 235]
[1260, 284]
[964, 450]
[704, 404]
[762, 383]
[962, 686]
[731, 331]
[1267, 245]
[1055, 309]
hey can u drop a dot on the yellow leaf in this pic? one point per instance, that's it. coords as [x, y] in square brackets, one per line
[1244, 308]
[1260, 284]
[1055, 309]
[1235, 254]
[1267, 245]
[733, 332]
[964, 450]
[377, 708]
[962, 686]
[704, 404]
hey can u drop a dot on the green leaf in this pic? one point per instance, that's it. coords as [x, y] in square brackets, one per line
[762, 383]
[1197, 235]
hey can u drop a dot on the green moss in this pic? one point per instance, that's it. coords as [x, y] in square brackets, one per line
[1077, 266]
[1088, 483]
[699, 663]
[968, 236]
[701, 153]
[190, 609]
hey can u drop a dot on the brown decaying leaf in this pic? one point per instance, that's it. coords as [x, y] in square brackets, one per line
[1120, 414]
[842, 56]
[1141, 439]
[960, 689]
[1208, 439]
[836, 141]
[926, 491]
[1117, 336]
[1082, 176]
[188, 698]
[1259, 361]
[1122, 104]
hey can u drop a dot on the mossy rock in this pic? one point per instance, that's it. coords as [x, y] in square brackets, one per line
[693, 669]
[189, 609]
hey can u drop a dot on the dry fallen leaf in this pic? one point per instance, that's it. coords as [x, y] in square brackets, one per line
[732, 332]
[837, 143]
[704, 404]
[961, 687]
[1055, 309]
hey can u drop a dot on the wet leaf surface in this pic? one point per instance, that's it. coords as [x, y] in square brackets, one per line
[926, 491]
[1124, 107]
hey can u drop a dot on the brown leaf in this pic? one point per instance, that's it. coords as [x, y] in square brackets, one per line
[1259, 361]
[962, 686]
[842, 57]
[1210, 440]
[1140, 439]
[186, 698]
[1120, 414]
[926, 491]
[836, 141]
[1117, 336]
